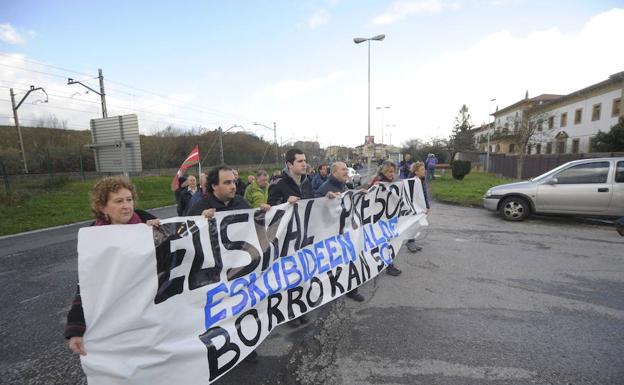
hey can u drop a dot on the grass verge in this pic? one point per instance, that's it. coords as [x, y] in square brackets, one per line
[466, 192]
[56, 204]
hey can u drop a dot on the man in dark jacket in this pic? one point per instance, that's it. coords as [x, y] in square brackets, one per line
[220, 194]
[320, 177]
[240, 185]
[294, 184]
[336, 183]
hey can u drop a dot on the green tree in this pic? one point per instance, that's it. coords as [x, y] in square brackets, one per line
[610, 141]
[462, 138]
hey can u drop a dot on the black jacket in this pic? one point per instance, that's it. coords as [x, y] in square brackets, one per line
[286, 187]
[185, 201]
[331, 184]
[76, 324]
[209, 201]
[240, 187]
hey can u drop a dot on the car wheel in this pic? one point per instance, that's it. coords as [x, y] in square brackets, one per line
[514, 209]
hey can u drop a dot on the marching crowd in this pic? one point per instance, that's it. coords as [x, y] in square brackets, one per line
[221, 189]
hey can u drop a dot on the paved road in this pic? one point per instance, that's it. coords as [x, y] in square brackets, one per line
[486, 302]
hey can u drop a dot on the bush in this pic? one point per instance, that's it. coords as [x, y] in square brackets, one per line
[460, 168]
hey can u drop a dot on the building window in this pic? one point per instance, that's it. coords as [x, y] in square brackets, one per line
[596, 112]
[549, 148]
[528, 149]
[538, 148]
[512, 147]
[506, 128]
[539, 124]
[564, 119]
[575, 146]
[615, 110]
[578, 116]
[551, 122]
[516, 126]
[497, 148]
[561, 147]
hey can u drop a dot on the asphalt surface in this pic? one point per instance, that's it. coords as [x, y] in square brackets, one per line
[485, 302]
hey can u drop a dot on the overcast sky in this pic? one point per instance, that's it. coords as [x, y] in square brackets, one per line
[211, 63]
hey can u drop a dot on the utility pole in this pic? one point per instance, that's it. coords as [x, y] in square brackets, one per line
[221, 143]
[17, 125]
[277, 162]
[101, 93]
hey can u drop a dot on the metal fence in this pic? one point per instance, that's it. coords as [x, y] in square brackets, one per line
[12, 182]
[507, 164]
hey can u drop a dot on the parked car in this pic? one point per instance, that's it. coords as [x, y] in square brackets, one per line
[588, 187]
[355, 179]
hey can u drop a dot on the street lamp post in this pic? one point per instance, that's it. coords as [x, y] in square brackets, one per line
[274, 129]
[390, 134]
[487, 158]
[382, 121]
[359, 40]
[221, 132]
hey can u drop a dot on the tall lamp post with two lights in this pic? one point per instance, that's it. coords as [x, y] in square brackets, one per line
[359, 40]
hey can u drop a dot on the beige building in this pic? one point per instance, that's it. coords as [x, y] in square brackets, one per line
[563, 123]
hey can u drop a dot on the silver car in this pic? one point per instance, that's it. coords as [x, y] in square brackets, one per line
[587, 187]
[355, 179]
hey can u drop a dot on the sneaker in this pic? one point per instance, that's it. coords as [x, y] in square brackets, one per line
[393, 271]
[412, 246]
[354, 295]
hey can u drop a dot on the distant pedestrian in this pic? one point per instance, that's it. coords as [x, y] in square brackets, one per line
[186, 196]
[240, 185]
[257, 192]
[198, 194]
[418, 171]
[277, 174]
[430, 164]
[320, 177]
[178, 194]
[405, 165]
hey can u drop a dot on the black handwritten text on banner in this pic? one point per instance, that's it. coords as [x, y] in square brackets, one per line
[187, 302]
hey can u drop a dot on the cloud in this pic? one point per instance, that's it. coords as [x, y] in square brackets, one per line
[504, 65]
[399, 10]
[287, 89]
[318, 18]
[8, 34]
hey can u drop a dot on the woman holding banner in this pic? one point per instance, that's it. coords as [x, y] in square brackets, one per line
[386, 174]
[112, 203]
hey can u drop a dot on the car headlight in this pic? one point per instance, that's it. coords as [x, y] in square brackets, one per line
[488, 193]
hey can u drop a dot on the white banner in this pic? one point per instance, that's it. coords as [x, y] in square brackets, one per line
[185, 303]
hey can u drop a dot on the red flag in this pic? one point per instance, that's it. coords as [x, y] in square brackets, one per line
[191, 159]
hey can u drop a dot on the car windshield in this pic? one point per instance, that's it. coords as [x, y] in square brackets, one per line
[549, 173]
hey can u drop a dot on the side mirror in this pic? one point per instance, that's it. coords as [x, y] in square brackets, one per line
[552, 181]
